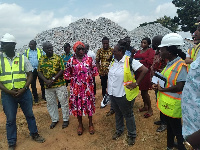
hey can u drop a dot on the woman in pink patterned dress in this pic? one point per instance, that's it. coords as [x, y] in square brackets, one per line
[80, 69]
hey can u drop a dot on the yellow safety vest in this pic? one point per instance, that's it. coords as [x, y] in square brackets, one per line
[191, 52]
[128, 79]
[170, 103]
[39, 53]
[12, 76]
[196, 52]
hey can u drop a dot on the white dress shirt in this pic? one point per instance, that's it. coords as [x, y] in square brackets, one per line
[116, 76]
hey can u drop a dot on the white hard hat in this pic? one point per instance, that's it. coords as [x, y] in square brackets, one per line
[171, 39]
[8, 38]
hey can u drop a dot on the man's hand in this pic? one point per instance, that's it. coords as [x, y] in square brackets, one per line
[12, 92]
[49, 83]
[20, 92]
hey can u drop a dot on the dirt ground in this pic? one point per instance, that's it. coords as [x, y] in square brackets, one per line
[67, 139]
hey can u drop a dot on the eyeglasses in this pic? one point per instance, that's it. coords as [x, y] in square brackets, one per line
[80, 49]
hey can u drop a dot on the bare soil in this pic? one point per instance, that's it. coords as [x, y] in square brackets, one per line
[67, 139]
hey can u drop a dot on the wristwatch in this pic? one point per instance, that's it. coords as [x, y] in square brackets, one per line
[26, 88]
[53, 78]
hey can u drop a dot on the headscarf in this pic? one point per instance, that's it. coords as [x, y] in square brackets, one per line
[77, 44]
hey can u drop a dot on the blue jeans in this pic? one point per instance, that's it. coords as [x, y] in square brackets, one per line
[124, 109]
[10, 105]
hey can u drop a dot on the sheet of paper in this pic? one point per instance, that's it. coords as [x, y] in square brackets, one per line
[155, 80]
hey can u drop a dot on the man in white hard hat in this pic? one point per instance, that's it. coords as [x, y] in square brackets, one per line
[15, 78]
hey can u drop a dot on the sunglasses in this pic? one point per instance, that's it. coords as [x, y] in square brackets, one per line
[80, 49]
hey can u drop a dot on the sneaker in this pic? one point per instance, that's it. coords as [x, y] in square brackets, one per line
[105, 101]
[65, 124]
[36, 137]
[131, 140]
[162, 128]
[158, 122]
[116, 135]
[111, 112]
[11, 147]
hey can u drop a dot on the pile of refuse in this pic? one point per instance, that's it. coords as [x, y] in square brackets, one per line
[92, 32]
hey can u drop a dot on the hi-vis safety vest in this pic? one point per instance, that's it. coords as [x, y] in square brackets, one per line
[196, 52]
[128, 79]
[170, 103]
[14, 75]
[39, 53]
[191, 52]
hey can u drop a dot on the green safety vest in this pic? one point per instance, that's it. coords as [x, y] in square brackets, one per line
[128, 79]
[39, 53]
[12, 76]
[167, 102]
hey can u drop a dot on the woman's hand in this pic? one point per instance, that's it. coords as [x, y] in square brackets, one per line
[155, 86]
[131, 86]
[160, 88]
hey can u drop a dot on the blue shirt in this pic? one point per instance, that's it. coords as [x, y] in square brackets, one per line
[32, 57]
[66, 58]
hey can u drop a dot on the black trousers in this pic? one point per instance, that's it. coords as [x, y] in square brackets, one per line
[104, 80]
[174, 128]
[33, 86]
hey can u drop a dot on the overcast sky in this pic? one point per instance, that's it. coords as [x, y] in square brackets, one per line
[25, 18]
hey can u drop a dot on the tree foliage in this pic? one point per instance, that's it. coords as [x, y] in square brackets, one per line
[188, 11]
[170, 23]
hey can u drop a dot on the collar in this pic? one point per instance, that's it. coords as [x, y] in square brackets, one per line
[122, 60]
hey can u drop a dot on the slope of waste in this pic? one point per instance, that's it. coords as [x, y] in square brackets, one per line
[92, 32]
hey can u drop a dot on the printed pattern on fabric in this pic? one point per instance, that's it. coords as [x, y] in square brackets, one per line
[191, 100]
[104, 57]
[50, 67]
[82, 98]
[66, 57]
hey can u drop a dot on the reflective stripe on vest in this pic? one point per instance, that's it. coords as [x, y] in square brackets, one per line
[39, 53]
[170, 103]
[128, 79]
[14, 75]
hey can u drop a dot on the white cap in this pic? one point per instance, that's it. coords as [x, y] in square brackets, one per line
[171, 39]
[8, 38]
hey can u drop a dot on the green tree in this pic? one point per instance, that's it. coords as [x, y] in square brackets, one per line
[170, 23]
[188, 11]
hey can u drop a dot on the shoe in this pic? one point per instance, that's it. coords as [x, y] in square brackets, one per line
[36, 137]
[158, 122]
[111, 112]
[105, 101]
[80, 130]
[131, 140]
[53, 124]
[11, 147]
[116, 135]
[169, 148]
[91, 129]
[161, 128]
[147, 115]
[65, 124]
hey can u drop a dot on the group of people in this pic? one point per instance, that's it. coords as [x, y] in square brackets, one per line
[123, 72]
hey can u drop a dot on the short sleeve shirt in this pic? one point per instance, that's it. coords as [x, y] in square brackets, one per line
[104, 57]
[116, 76]
[50, 67]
